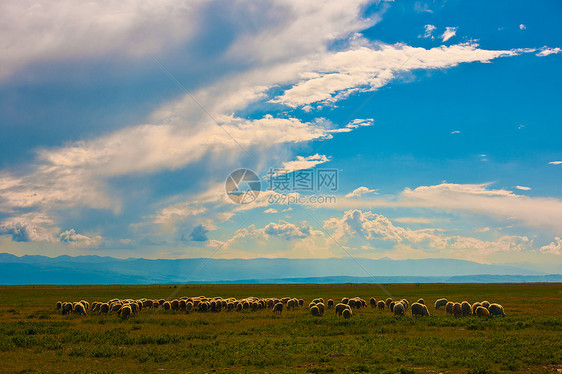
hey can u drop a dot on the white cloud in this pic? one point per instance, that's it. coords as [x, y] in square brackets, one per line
[455, 132]
[270, 211]
[449, 33]
[371, 226]
[359, 191]
[428, 31]
[331, 77]
[522, 27]
[538, 212]
[64, 30]
[78, 240]
[554, 248]
[30, 227]
[548, 51]
[555, 163]
[177, 212]
[482, 229]
[302, 163]
[523, 188]
[274, 230]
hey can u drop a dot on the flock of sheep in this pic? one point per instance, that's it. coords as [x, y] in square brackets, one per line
[126, 308]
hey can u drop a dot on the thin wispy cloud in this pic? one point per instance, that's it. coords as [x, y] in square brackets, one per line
[555, 163]
[449, 33]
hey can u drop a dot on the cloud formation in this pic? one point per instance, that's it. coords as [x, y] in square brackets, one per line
[449, 33]
[359, 192]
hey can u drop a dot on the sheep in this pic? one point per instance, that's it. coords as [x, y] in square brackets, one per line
[166, 305]
[457, 309]
[449, 307]
[351, 303]
[496, 310]
[59, 305]
[486, 304]
[381, 305]
[482, 312]
[134, 307]
[115, 307]
[301, 302]
[278, 308]
[320, 307]
[345, 300]
[330, 303]
[182, 304]
[419, 310]
[340, 308]
[239, 307]
[466, 309]
[373, 302]
[188, 306]
[399, 309]
[125, 312]
[104, 308]
[66, 308]
[86, 304]
[474, 306]
[391, 306]
[421, 301]
[347, 313]
[174, 304]
[406, 303]
[387, 302]
[161, 302]
[440, 302]
[79, 308]
[315, 311]
[311, 304]
[291, 304]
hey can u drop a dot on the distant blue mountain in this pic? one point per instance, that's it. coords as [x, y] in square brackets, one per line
[108, 270]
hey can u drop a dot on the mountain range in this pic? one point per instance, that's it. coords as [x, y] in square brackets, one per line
[35, 269]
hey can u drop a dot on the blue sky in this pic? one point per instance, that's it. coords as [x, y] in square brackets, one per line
[120, 123]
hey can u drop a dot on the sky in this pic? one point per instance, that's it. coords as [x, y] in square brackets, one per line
[375, 129]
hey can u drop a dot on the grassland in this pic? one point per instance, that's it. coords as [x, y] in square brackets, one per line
[35, 338]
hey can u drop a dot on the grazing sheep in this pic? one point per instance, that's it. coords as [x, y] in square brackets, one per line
[351, 303]
[486, 304]
[174, 304]
[474, 306]
[182, 304]
[345, 300]
[421, 301]
[387, 302]
[315, 311]
[125, 312]
[311, 304]
[340, 308]
[381, 305]
[59, 305]
[406, 303]
[161, 302]
[291, 304]
[419, 310]
[482, 312]
[239, 307]
[115, 307]
[391, 306]
[166, 305]
[457, 309]
[399, 309]
[278, 308]
[79, 308]
[347, 313]
[449, 307]
[104, 308]
[320, 307]
[330, 303]
[496, 310]
[466, 309]
[86, 304]
[441, 302]
[134, 307]
[301, 302]
[66, 308]
[188, 306]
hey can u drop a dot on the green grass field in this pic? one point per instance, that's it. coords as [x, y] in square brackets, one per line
[36, 338]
